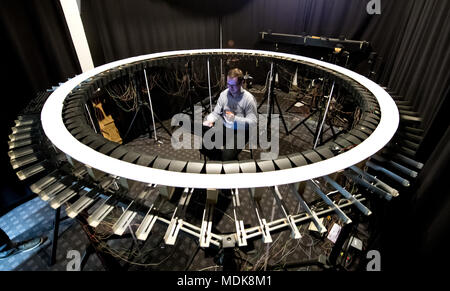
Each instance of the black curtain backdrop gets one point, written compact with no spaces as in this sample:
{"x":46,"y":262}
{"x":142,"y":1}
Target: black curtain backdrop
{"x":429,"y":215}
{"x":37,"y":34}
{"x":37,"y":53}
{"x":411,"y":37}
{"x":118,"y":29}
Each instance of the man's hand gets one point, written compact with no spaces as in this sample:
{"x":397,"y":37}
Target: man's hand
{"x":208,"y":123}
{"x":229,"y":116}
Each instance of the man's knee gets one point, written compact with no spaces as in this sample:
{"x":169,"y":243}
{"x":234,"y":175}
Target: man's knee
{"x":230,"y":154}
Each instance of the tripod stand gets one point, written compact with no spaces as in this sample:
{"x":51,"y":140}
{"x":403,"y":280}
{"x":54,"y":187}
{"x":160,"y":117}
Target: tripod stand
{"x":143,"y":104}
{"x":301,"y":91}
{"x":336,"y":54}
{"x":324,"y":115}
{"x":272,"y":99}
{"x":190,"y":91}
{"x":322,"y":112}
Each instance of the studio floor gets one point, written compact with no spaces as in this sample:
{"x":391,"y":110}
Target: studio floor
{"x":35,"y":218}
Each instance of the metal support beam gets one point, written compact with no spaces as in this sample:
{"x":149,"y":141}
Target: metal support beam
{"x":241,"y":235}
{"x":324,"y":116}
{"x":294,"y":230}
{"x":82,"y":203}
{"x":320,"y":227}
{"x":124,"y":220}
{"x":101,"y":212}
{"x":265,"y":231}
{"x":394,"y":176}
{"x":328,"y":201}
{"x":178,"y":217}
{"x":150,"y":217}
{"x":208,"y":212}
{"x":75,"y":25}
{"x":348,"y":196}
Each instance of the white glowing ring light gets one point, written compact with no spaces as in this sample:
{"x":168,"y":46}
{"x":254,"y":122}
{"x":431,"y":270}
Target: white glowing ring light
{"x":56,"y":131}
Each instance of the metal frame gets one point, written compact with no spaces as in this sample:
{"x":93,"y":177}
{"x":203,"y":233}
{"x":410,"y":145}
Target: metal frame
{"x":56,"y":131}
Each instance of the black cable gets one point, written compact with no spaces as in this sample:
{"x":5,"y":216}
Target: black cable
{"x":188,"y":265}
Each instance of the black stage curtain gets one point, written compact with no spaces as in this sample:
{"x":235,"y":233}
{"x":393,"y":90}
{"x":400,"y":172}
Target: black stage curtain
{"x":37,"y":53}
{"x":37,"y":34}
{"x":118,"y":29}
{"x":430,"y":206}
{"x":420,"y":68}
{"x":409,"y":36}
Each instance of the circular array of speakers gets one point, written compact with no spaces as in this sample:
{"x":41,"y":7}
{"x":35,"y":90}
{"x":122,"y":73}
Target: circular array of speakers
{"x":66,"y":124}
{"x":50,"y":144}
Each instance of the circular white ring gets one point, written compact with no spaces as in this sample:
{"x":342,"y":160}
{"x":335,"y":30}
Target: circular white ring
{"x":56,"y":131}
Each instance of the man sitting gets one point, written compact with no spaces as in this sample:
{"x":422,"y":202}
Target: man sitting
{"x":236,"y":107}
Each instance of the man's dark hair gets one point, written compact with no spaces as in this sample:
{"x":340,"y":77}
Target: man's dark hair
{"x":236,"y":73}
